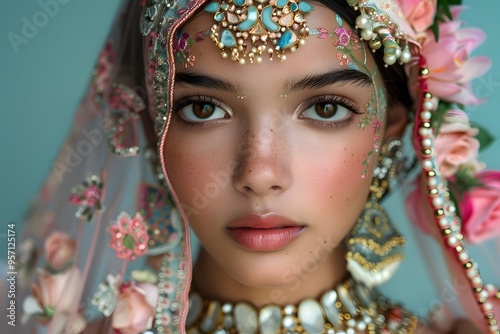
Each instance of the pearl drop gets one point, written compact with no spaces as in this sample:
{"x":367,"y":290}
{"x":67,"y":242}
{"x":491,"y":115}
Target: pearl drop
{"x":221,"y":45}
{"x":428,"y":105}
{"x":398,"y":52}
{"x":405,"y":57}
{"x":259,"y":59}
{"x":390,"y":60}
{"x":489,"y":287}
{"x":366,"y":34}
{"x":432,"y":182}
{"x":362,"y":21}
{"x":483,"y":294}
{"x":242,"y":61}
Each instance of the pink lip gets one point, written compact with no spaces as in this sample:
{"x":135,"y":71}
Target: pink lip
{"x":264,"y":233}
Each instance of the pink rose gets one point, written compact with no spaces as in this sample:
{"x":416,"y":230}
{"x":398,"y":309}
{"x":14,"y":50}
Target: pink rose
{"x":59,"y":250}
{"x":451,"y":68}
{"x":58,"y":291}
{"x":135,"y":308}
{"x":480,"y":209}
{"x":419,"y":13}
{"x":455,"y":145}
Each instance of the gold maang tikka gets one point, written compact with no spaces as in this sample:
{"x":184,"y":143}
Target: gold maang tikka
{"x":249,"y":28}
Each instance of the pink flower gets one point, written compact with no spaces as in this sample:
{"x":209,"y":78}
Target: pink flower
{"x":59,"y":250}
{"x":135,"y":308}
{"x":451,"y":69}
{"x":419,"y":13}
{"x":129,"y":237}
{"x":480,"y":209}
{"x":57,"y":291}
{"x":455,"y":145}
{"x":343,"y":35}
{"x":88,"y":195}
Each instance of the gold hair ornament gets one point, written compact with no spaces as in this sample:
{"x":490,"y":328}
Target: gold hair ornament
{"x":380,"y":30}
{"x":248,"y":28}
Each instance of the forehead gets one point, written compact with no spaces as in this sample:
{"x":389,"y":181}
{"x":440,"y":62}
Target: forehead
{"x":332,"y":44}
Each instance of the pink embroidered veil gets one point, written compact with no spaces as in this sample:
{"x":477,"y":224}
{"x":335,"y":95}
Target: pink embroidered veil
{"x":116,"y":123}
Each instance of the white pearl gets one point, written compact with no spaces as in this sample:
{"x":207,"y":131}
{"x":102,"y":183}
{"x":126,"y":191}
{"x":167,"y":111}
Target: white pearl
{"x":398,"y":52}
{"x":427,"y":143}
{"x":477,"y":281}
{"x":427,"y":164}
{"x":437,"y":201}
{"x":443,"y":222}
{"x":424,"y":132}
{"x":464,"y":256}
{"x":366,"y":34}
{"x":483,"y":294}
{"x":432,"y":182}
{"x":428,"y":105}
{"x":425,"y":115}
{"x":452,"y":241}
{"x":390,"y":60}
{"x":489,"y":287}
{"x":487,"y":306}
{"x":362,"y":21}
{"x":405,"y":57}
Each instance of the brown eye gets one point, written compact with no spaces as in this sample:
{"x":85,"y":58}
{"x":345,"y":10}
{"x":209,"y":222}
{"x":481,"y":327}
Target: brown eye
{"x":325,"y":109}
{"x":203,"y":110}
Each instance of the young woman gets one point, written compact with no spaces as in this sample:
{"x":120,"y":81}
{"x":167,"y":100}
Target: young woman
{"x":277,"y":126}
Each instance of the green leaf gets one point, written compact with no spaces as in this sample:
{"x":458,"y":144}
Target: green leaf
{"x":437,"y":117}
{"x":129,"y":241}
{"x":484,"y":136}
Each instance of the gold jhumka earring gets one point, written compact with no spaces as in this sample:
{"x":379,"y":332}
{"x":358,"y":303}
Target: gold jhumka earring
{"x":374,"y":245}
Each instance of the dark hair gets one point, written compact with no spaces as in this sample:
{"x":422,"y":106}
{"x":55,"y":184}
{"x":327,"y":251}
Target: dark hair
{"x":394,"y":76}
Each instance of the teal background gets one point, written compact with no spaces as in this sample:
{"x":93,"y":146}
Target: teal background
{"x":41,"y":84}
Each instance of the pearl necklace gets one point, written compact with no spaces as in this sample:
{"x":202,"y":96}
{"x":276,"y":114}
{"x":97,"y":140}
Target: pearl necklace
{"x":349,"y":308}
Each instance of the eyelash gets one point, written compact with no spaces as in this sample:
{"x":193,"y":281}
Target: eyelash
{"x":339,"y":100}
{"x":187,"y":100}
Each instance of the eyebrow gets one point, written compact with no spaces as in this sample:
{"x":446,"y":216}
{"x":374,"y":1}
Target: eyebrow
{"x":206,"y":81}
{"x":337,"y":76}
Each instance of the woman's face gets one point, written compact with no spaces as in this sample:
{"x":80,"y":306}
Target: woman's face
{"x":268,"y":159}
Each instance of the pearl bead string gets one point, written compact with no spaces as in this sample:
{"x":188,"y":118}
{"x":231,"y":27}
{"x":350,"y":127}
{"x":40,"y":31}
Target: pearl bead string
{"x":444,"y":210}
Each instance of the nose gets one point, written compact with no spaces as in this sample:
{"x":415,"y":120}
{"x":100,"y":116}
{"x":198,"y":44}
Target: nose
{"x":262,"y":164}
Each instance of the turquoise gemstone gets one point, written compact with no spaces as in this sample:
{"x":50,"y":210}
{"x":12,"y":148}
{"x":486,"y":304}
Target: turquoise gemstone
{"x":239,"y":2}
{"x":224,"y":6}
{"x":252,"y":16}
{"x":281,"y":3}
{"x":305,"y":7}
{"x":227,"y":38}
{"x":219,"y":17}
{"x":286,"y":40}
{"x":212,"y":7}
{"x":294,"y":6}
{"x":266,"y":15}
